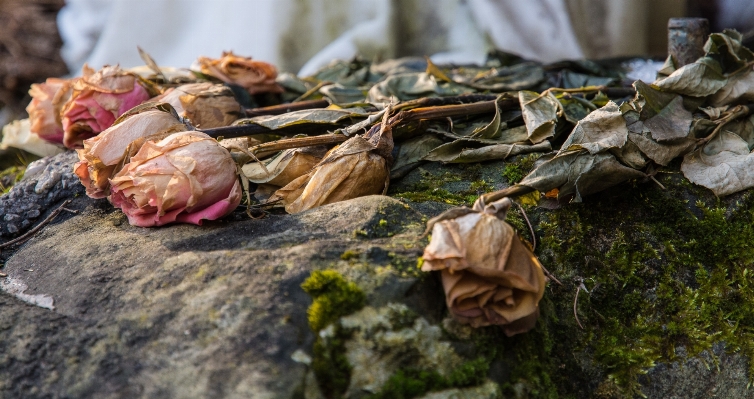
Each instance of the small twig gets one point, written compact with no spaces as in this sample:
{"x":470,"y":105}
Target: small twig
{"x":528,"y":223}
{"x":512,"y":191}
{"x":373,"y":118}
{"x":312,"y":90}
{"x":31,"y":232}
{"x":285,"y":108}
{"x":657,"y":181}
{"x":738,"y":111}
{"x":580,"y":287}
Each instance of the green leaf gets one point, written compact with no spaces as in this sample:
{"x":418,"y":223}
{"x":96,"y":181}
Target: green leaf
{"x":540,"y":112}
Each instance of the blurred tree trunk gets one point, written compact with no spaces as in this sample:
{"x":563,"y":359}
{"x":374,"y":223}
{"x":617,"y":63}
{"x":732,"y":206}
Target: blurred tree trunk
{"x":29,"y":47}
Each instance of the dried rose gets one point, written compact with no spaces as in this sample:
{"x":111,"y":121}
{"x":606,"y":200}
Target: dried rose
{"x":186,"y":177}
{"x":206,"y":105}
{"x":103,"y":153}
{"x":255,"y":76}
{"x":489,"y":276}
{"x":286,"y":167}
{"x":47,"y":100}
{"x":356,"y":168}
{"x":98,"y":99}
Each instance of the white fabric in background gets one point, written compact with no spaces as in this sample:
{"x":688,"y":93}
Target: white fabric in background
{"x":310,"y":33}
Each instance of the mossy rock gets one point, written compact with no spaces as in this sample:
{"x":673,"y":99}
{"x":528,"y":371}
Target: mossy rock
{"x":666,"y":311}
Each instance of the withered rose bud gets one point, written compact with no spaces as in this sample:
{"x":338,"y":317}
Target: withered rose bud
{"x":186,"y":177}
{"x":286,"y":167}
{"x":103,"y":153}
{"x":206,"y":105}
{"x":47,"y":100}
{"x":98,"y":99}
{"x":490,"y":277}
{"x":358,"y":167}
{"x":255,"y":76}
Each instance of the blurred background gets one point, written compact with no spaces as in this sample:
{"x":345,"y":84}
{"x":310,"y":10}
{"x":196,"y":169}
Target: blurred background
{"x":44,"y":38}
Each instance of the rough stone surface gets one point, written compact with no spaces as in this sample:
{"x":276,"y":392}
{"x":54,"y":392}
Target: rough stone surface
{"x":95,"y":308}
{"x":47,"y":182}
{"x":184,"y":311}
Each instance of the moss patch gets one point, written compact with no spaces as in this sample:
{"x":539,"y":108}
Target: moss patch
{"x":410,"y":383}
{"x":661,"y":272}
{"x":515,"y":171}
{"x":334,"y":297}
{"x":435,"y":187}
{"x":9,"y":177}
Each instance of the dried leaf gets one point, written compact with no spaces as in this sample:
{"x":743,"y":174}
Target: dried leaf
{"x":699,"y":79}
{"x":575,"y":80}
{"x":599,"y":131}
{"x":409,"y":86}
{"x":285,"y":167}
{"x":540,"y":112}
{"x":724,"y":165}
{"x":466,"y":150}
{"x":661,"y":153}
{"x":578,"y":174}
{"x":672,"y":122}
{"x":307,"y":116}
{"x":411,"y":153}
{"x":522,"y":76}
{"x":740,"y":87}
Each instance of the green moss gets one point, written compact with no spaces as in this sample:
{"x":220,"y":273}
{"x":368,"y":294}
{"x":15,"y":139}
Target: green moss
{"x":409,"y":383}
{"x":432,"y":187}
{"x":9,"y":177}
{"x":334,"y":297}
{"x":661,"y":273}
{"x":515,"y":171}
{"x":349,"y":255}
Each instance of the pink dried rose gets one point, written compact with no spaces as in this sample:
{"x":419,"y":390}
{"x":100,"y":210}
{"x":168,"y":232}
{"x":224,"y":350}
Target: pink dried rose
{"x":490,"y":277}
{"x":103,"y":153}
{"x":98,"y":99}
{"x":47,"y":100}
{"x":255,"y":76}
{"x":206,"y":105}
{"x":186,"y":177}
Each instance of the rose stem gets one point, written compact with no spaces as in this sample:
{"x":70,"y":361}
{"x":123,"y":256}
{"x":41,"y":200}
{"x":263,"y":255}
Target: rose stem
{"x":435,"y":101}
{"x":251,"y":129}
{"x":285,"y":108}
{"x":272,"y":147}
